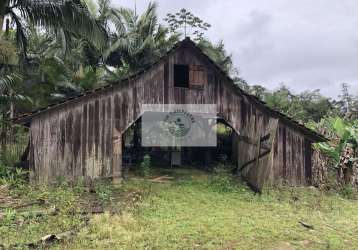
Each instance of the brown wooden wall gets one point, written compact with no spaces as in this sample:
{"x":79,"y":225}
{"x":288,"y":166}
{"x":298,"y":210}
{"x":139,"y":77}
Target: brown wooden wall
{"x":291,"y":157}
{"x":80,"y":138}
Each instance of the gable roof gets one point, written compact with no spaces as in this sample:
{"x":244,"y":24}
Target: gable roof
{"x":313,"y":135}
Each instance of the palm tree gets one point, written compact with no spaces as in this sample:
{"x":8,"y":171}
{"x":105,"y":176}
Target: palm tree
{"x":55,"y":74}
{"x":8,"y":54}
{"x":62,"y":17}
{"x":8,"y":92}
{"x":218,"y":54}
{"x":8,"y":96}
{"x":138,"y":40}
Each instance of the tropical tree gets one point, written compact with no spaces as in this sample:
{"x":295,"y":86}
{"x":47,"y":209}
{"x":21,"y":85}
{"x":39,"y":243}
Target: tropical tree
{"x":280,"y":99}
{"x":314,"y":106}
{"x":138,"y":40}
{"x":8,"y":54}
{"x":55,"y":73}
{"x":342,"y":147}
{"x":185,"y":21}
{"x":241,"y":83}
{"x":218,"y":54}
{"x":8,"y":92}
{"x":304,"y":107}
{"x":63,"y":18}
{"x":8,"y":97}
{"x":354,"y":110}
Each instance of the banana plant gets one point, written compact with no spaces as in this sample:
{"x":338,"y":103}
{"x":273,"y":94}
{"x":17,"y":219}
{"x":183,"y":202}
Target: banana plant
{"x":342,"y":135}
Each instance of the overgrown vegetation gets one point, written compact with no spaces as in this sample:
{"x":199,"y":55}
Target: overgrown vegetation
{"x":50,"y":51}
{"x":190,"y":214}
{"x":28,"y":213}
{"x":341,"y":149}
{"x":144,"y":166}
{"x":193,"y":210}
{"x":222,"y":180}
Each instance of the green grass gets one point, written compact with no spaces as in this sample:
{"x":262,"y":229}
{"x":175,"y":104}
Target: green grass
{"x":22,"y":225}
{"x":196,"y":210}
{"x":189,"y":214}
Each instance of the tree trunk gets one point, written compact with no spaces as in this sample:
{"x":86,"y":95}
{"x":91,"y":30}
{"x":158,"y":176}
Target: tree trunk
{"x":3,"y":5}
{"x":1,"y":23}
{"x":319,"y":168}
{"x":3,"y":136}
{"x":12,"y":106}
{"x":346,"y":166}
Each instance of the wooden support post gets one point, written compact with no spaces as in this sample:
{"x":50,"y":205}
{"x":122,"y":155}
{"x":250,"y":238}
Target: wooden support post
{"x":234,"y":147}
{"x":117,"y":156}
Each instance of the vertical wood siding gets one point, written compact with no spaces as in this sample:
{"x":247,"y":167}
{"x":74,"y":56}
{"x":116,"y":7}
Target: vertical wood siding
{"x":76,"y":140}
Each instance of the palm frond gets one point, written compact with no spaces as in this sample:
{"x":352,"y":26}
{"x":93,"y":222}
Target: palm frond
{"x":71,"y":16}
{"x":21,"y":35}
{"x":7,"y":53}
{"x":7,"y":82}
{"x":7,"y":89}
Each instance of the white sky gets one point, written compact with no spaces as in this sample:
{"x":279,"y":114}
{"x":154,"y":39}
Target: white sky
{"x":306,"y":44}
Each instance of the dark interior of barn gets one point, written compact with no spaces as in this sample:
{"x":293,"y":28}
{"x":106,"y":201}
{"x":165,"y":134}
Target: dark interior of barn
{"x":204,"y":158}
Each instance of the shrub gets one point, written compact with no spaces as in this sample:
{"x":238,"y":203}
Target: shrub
{"x":348,"y":191}
{"x":221,"y":180}
{"x":341,"y":134}
{"x":103,"y":191}
{"x":144,"y":166}
{"x":4,"y":170}
{"x":12,"y":176}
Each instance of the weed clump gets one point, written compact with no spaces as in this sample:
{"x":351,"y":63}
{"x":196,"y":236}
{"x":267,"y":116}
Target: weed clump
{"x":104,"y":192}
{"x":348,"y":192}
{"x":12,"y":176}
{"x":145,"y":165}
{"x":221,"y":179}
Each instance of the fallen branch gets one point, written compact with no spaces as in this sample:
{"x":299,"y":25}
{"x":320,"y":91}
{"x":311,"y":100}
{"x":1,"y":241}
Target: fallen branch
{"x":306,"y":225}
{"x":37,"y":202}
{"x":159,"y":181}
{"x":165,"y":177}
{"x":153,"y":180}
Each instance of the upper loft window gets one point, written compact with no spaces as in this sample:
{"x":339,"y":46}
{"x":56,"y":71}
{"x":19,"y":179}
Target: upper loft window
{"x":197,"y":76}
{"x":181,"y":76}
{"x":189,"y":76}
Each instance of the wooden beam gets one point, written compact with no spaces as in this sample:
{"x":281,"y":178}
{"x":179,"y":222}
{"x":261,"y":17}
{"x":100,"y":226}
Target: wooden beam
{"x":267,"y":151}
{"x":117,"y":156}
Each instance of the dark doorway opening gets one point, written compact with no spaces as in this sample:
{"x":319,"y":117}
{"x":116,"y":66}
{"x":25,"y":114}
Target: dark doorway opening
{"x":205,"y":158}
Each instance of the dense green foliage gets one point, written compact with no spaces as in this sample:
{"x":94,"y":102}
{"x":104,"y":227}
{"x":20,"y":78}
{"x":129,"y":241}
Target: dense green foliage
{"x":307,"y":105}
{"x":342,"y":134}
{"x":63,"y":19}
{"x":137,"y":40}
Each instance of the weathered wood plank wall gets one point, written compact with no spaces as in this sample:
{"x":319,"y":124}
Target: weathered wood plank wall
{"x":291,"y":157}
{"x":80,"y":139}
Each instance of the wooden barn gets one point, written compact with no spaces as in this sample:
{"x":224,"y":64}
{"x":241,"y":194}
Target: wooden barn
{"x":81,"y":136}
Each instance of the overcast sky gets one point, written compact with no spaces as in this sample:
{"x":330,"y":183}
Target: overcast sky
{"x":306,"y":44}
